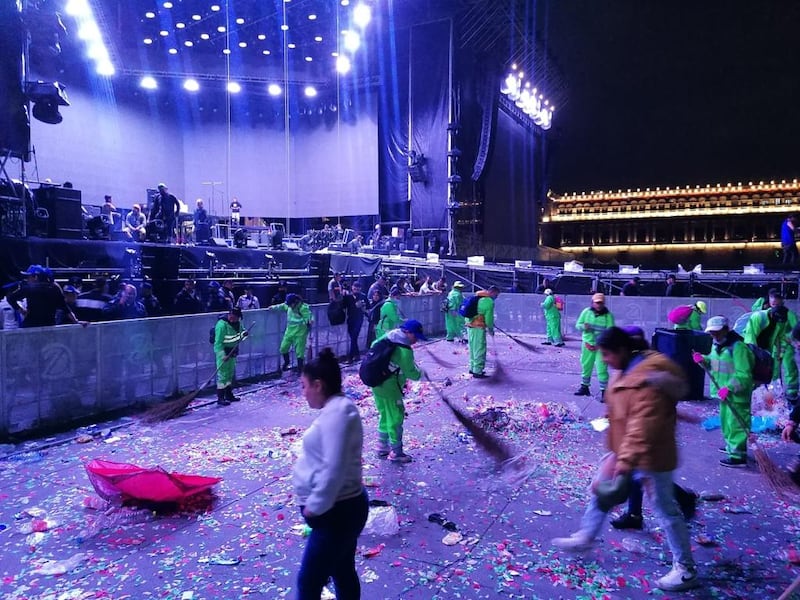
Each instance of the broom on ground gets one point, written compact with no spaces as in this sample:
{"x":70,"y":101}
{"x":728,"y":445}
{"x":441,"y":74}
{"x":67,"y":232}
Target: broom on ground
{"x":174,"y":408}
{"x":499,"y":374}
{"x":497,"y":449}
{"x":439,"y":361}
{"x":779,"y":480}
{"x":528,"y":346}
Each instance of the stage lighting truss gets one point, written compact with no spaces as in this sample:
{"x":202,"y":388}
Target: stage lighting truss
{"x":89,"y":32}
{"x":526,"y":97}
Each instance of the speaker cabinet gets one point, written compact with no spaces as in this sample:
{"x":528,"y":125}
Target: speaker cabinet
{"x":64,"y":208}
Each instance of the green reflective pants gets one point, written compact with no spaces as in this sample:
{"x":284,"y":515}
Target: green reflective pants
{"x":454,"y":323}
{"x":588,"y":360}
{"x":391,"y":414}
{"x":295,"y":337}
{"x":554,"y":328}
{"x":733,"y":432}
{"x":477,"y":349}
{"x":227,"y":370}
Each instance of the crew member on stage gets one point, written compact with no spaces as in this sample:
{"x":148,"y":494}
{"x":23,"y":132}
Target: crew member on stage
{"x":135,"y":224}
{"x":165,"y":208}
{"x":202,"y":227}
{"x":236,"y":208}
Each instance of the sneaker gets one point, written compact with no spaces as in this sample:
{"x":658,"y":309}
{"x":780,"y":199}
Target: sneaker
{"x":735,"y":463}
{"x":577,"y":542}
{"x":583,"y":391}
{"x":628,"y":521}
{"x":399,"y":457}
{"x":722,"y":449}
{"x":678,"y":579}
{"x":479,"y":375}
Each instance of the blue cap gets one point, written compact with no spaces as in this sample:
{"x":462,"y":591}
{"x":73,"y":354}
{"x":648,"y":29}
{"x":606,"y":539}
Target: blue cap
{"x":415,"y":327}
{"x":292,"y":298}
{"x":214,"y":284}
{"x":33,"y":270}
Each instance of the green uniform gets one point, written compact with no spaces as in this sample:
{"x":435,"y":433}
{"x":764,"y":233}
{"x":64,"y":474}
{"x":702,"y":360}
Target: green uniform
{"x":731,"y":366}
{"x":390,"y":318}
{"x":552,"y":317}
{"x":476,"y":331}
{"x":760,"y":304}
{"x":453,"y":321}
{"x":389,"y":395}
{"x":777,"y":340}
{"x":591,"y":324}
{"x":226,"y":339}
{"x":298,"y":321}
{"x":693,"y":322}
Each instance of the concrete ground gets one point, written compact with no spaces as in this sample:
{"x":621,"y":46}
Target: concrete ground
{"x":248,"y":539}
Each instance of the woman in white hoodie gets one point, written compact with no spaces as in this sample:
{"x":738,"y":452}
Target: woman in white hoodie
{"x":328,"y":482}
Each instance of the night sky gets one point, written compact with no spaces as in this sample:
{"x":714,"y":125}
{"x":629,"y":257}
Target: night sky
{"x":675,"y":93}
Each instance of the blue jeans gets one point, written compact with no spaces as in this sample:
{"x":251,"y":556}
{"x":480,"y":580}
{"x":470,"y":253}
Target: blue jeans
{"x":659,"y":489}
{"x":331,"y":550}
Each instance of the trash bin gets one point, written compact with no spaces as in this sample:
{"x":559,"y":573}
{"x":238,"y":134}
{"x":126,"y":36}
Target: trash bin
{"x":679,"y":344}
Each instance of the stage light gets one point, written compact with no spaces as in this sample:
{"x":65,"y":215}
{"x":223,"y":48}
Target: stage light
{"x":221,"y":28}
{"x":89,"y":31}
{"x":226,"y":51}
{"x":292,"y":46}
{"x":308,"y":59}
{"x":163,"y":33}
{"x":318,"y":38}
{"x":150,"y":15}
{"x":312,"y":17}
{"x":105,"y":68}
{"x":173,"y":50}
{"x":343,"y":65}
{"x":240,"y":21}
{"x":46,"y":98}
{"x":266,"y":52}
{"x":274,"y":89}
{"x":167,"y":5}
{"x":362,"y":15}
{"x":204,"y":36}
{"x":310,"y":91}
{"x":242,"y":44}
{"x":284,"y":28}
{"x":148,"y":41}
{"x":180,"y":25}
{"x":149,"y":83}
{"x":77,"y":8}
{"x":196,"y":18}
{"x":334,"y":54}
{"x":191,"y":85}
{"x":262,"y":37}
{"x":215,"y":7}
{"x":345,"y":2}
{"x":352,"y":41}
{"x":188,"y":43}
{"x":234,"y":87}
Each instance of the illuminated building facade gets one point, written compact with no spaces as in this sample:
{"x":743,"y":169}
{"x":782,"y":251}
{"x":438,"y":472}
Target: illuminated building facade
{"x":722,"y":226}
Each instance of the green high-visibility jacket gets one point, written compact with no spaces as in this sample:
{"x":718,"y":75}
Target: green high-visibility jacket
{"x":597,"y":324}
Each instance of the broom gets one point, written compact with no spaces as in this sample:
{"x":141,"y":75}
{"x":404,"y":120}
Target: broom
{"x":175,"y":408}
{"x":526,"y":345}
{"x":499,"y":374}
{"x":439,"y":361}
{"x":779,"y":481}
{"x":497,"y":449}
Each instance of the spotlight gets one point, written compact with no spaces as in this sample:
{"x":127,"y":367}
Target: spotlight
{"x":150,"y":14}
{"x":148,"y":83}
{"x":215,"y":7}
{"x":240,"y":21}
{"x":310,"y":91}
{"x":46,"y":98}
{"x":148,"y":41}
{"x":362,"y":15}
{"x":234,"y":87}
{"x":196,"y":18}
{"x":191,"y":85}
{"x":312,"y":17}
{"x":343,"y":65}
{"x":309,"y":59}
{"x":167,"y":5}
{"x":180,"y":25}
{"x":352,"y":41}
{"x":318,"y":38}
{"x":274,"y":89}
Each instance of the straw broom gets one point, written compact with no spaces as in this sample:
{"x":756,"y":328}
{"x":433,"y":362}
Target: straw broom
{"x":779,"y":481}
{"x":175,"y":408}
{"x":497,"y":449}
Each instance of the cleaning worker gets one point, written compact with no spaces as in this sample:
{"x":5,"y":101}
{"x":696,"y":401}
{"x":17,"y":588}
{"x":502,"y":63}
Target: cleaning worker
{"x":390,"y":313}
{"x":227,"y":335}
{"x":477,"y":328}
{"x":688,"y":317}
{"x":298,"y":324}
{"x":552,"y":316}
{"x":454,"y":323}
{"x":592,"y":321}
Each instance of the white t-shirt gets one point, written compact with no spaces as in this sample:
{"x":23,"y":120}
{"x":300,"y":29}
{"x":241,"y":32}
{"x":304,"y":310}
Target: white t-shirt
{"x":9,"y":315}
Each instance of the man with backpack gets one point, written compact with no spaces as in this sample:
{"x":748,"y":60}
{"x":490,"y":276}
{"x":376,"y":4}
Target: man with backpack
{"x":479,"y":314}
{"x":552,"y":316}
{"x":386,"y":368}
{"x":730,"y":368}
{"x":771,"y":329}
{"x":453,"y":322}
{"x":298,"y":324}
{"x":227,"y":336}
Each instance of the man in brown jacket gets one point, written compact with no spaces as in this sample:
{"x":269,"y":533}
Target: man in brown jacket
{"x":641,"y":400}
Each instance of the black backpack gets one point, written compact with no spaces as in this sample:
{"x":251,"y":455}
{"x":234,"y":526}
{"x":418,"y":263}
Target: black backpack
{"x":374,"y":369}
{"x":336,"y":312}
{"x":469,"y":307}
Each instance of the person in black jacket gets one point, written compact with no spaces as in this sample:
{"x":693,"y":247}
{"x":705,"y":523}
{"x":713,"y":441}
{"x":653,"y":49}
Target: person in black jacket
{"x":90,"y":304}
{"x":355,"y":305}
{"x":150,"y":302}
{"x":43,"y":299}
{"x":376,"y":300}
{"x":165,"y":208}
{"x":187,"y":302}
{"x":125,"y":305}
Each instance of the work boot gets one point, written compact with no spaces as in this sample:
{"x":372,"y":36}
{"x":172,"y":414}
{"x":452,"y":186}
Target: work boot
{"x":583,"y":391}
{"x":628,"y":521}
{"x":221,"y":399}
{"x":229,"y":394}
{"x":300,"y":364}
{"x":285,"y":366}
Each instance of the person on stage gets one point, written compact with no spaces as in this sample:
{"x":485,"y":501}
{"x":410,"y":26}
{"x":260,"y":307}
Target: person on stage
{"x":202,"y":226}
{"x":135,"y":224}
{"x":165,"y":208}
{"x":236,"y":208}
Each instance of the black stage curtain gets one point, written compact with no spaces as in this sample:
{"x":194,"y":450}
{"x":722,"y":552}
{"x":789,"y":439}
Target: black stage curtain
{"x":355,"y":265}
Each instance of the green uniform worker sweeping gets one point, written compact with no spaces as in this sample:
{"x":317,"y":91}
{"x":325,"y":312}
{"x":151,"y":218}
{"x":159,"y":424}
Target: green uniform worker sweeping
{"x":298,"y":324}
{"x":591,"y":322}
{"x":454,"y":322}
{"x":227,"y":335}
{"x":477,"y":327}
{"x":552,"y":317}
{"x":771,"y":330}
{"x":389,"y":395}
{"x":390,"y":314}
{"x":730,"y":366}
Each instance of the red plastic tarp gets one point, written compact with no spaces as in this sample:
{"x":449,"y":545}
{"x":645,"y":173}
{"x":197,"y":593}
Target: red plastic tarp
{"x":115,"y":481}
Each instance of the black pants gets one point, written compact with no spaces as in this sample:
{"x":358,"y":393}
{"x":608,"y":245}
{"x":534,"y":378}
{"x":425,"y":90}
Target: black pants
{"x":790,"y":254}
{"x":331,"y":550}
{"x":683,"y":497}
{"x":354,"y":330}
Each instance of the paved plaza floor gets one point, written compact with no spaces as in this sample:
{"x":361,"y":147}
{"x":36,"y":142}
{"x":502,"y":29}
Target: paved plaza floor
{"x":247,"y":539}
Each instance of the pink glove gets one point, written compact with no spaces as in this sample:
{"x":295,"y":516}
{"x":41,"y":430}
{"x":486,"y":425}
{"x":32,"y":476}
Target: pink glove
{"x":698,"y":358}
{"x":723,"y":393}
